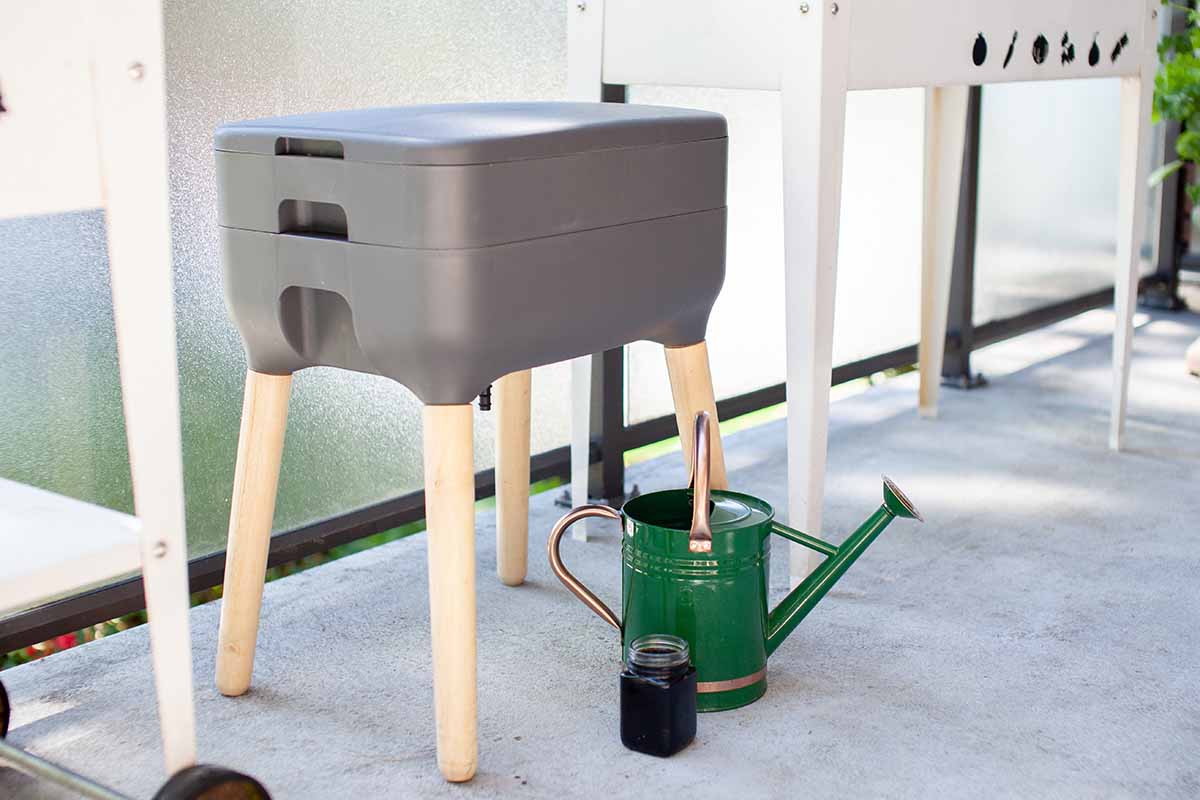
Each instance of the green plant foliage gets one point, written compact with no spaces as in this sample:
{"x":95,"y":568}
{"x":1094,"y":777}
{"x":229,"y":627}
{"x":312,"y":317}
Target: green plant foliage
{"x":1177,"y":94}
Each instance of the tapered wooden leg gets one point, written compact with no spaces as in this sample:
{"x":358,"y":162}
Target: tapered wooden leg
{"x":512,"y":397}
{"x":450,"y":520}
{"x":260,"y":448}
{"x":692,"y":391}
{"x":945,"y":136}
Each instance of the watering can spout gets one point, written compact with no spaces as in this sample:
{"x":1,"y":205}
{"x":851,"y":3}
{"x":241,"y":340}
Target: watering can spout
{"x":896,"y":503}
{"x":795,"y":607}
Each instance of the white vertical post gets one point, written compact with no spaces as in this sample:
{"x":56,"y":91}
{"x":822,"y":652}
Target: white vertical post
{"x":1136,"y":93}
{"x":585,"y":52}
{"x":945,"y":137}
{"x":813,"y":83}
{"x":581,"y":442}
{"x":127,"y":72}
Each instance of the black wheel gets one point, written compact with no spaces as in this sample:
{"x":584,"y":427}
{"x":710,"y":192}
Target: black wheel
{"x":207,"y":782}
{"x":5,"y":710}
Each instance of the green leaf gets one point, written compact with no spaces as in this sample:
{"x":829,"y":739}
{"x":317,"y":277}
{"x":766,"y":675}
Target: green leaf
{"x":1188,"y":146}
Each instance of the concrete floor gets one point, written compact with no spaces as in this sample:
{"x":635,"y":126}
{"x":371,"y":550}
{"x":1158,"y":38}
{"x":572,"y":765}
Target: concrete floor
{"x":1036,"y":638}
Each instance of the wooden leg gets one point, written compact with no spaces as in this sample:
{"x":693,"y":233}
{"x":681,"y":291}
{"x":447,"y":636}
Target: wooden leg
{"x":260,"y":448}
{"x":945,"y":136}
{"x":813,"y":100}
{"x":450,"y":520}
{"x":512,"y":397}
{"x":581,"y":434}
{"x":692,"y":391}
{"x":1131,"y":211}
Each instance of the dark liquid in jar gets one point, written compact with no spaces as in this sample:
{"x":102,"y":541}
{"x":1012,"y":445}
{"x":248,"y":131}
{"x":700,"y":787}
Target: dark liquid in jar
{"x":658,"y":703}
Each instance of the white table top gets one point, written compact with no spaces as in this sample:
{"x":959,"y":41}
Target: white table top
{"x":51,"y":545}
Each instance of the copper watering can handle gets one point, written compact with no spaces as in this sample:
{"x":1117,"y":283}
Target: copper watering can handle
{"x":700,"y":535}
{"x":560,"y":569}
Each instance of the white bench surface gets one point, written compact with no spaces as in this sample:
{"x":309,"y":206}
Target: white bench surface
{"x":51,"y":545}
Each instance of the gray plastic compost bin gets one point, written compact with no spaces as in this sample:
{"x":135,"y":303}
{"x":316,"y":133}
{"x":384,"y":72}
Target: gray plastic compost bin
{"x":447,"y":245}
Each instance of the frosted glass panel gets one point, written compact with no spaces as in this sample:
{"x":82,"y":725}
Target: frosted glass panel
{"x":1047,"y":194}
{"x":877,"y":307}
{"x":351,"y":439}
{"x":61,"y":426}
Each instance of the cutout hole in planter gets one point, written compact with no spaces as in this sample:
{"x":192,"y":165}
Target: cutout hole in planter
{"x":979,"y":51}
{"x":1040,"y":49}
{"x":1012,"y":46}
{"x":1122,"y":43}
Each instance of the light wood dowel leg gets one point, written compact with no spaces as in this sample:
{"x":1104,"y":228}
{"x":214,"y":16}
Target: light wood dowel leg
{"x":512,"y":397}
{"x":260,"y":448}
{"x":945,"y":136}
{"x":692,"y":390}
{"x":450,"y":520}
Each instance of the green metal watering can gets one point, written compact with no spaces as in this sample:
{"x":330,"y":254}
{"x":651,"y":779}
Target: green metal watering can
{"x":700,"y":571}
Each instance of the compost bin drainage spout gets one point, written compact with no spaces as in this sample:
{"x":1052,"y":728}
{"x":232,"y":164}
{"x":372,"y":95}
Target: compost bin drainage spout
{"x":795,"y":607}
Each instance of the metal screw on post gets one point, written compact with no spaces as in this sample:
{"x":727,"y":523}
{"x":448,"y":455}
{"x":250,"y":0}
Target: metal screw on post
{"x":804,"y":8}
{"x":581,"y":6}
{"x":834,"y":8}
{"x":136,"y":71}
{"x":160,"y":549}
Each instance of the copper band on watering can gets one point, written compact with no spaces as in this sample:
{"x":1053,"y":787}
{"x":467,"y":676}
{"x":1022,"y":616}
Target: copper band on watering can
{"x":707,"y":687}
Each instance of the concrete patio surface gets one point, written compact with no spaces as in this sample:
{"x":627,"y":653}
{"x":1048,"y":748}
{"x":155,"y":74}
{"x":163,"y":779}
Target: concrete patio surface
{"x":1039,"y":636}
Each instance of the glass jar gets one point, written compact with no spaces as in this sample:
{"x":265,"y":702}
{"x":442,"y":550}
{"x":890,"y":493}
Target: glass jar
{"x":658,"y":696}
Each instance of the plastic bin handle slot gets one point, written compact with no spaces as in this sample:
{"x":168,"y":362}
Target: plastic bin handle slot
{"x":311,"y":218}
{"x":314,"y":148}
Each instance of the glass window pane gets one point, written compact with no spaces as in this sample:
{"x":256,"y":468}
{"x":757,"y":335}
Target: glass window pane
{"x":351,"y":439}
{"x":1047,"y":213}
{"x":877,"y":307}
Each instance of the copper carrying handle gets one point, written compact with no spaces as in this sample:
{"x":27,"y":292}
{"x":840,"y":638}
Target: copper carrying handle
{"x":560,"y":569}
{"x":700,"y":535}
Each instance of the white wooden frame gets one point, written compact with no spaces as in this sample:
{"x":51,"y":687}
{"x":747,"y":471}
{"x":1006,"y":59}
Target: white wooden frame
{"x":94,"y":72}
{"x":814,"y":52}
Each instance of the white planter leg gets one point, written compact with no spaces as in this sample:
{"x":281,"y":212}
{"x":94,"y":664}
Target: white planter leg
{"x":581,"y":436}
{"x":128,"y":86}
{"x":945,"y":137}
{"x":1136,"y":94}
{"x":814,"y":118}
{"x":585,"y":40}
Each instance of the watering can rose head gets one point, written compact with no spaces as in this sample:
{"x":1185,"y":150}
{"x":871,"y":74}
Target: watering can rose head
{"x":696,"y":564}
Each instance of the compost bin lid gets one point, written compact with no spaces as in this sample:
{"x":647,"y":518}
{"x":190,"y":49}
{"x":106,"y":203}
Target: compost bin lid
{"x":469,"y":133}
